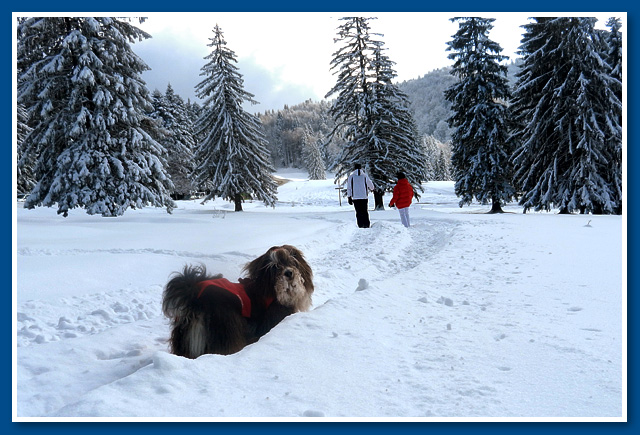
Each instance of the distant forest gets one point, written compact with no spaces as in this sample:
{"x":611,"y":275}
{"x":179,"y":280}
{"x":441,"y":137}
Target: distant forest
{"x":292,"y":129}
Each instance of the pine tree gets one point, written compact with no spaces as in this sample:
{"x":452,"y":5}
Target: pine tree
{"x":394,"y":138}
{"x":371,"y":114}
{"x":313,"y":158}
{"x":81,"y":85}
{"x":613,"y":54}
{"x":279,"y":144}
{"x":24,"y":171}
{"x":567,"y":127}
{"x":25,"y":181}
{"x":232,"y":158}
{"x":171,"y":110}
{"x":437,"y":158}
{"x":481,"y":150}
{"x":193,"y":111}
{"x":443,"y":171}
{"x":614,"y":60}
{"x":431,"y":151}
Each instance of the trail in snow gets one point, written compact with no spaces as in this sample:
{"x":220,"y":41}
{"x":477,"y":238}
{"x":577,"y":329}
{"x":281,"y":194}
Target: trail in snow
{"x":382,"y":251}
{"x":385,"y":250}
{"x":367,"y":254}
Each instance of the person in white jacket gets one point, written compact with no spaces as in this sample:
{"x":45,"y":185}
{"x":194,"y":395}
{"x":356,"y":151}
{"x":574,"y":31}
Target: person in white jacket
{"x":358,"y":186}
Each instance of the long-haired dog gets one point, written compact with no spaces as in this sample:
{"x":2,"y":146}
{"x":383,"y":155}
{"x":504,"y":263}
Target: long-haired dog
{"x":209,"y":314}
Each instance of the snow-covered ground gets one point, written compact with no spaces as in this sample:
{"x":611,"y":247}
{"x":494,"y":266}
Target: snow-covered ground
{"x":463,"y":315}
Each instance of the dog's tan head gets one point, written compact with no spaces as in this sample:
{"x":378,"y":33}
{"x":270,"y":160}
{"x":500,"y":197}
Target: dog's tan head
{"x":283,"y":270}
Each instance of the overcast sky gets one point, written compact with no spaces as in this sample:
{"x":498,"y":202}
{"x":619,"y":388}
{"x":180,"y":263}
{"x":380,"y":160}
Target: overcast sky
{"x":284,"y":57}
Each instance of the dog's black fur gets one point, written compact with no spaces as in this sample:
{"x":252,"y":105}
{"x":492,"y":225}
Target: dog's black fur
{"x":213,"y":323}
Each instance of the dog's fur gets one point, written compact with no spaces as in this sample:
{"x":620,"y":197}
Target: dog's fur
{"x":212,"y":322}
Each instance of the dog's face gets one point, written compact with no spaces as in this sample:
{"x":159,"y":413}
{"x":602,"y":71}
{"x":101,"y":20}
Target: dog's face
{"x":287,"y":272}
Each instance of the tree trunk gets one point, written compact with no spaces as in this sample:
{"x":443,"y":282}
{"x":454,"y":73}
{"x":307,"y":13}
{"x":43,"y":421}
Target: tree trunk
{"x":237,"y":199}
{"x":496,"y":207}
{"x":378,"y":199}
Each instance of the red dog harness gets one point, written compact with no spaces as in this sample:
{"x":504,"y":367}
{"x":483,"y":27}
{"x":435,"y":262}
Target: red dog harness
{"x":235,"y":288}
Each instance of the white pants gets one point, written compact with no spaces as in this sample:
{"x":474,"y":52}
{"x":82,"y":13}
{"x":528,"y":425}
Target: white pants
{"x":404,"y":216}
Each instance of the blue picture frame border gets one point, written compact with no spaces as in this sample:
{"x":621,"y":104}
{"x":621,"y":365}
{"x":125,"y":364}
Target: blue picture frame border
{"x":372,"y":428}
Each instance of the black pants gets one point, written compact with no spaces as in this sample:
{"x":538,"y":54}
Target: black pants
{"x":362,"y":212}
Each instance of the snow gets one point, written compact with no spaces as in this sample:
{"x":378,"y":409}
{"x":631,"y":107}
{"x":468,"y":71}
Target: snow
{"x":463,"y":316}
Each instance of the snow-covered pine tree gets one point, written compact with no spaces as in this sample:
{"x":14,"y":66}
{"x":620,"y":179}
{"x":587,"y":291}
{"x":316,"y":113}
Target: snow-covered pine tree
{"x":437,"y":160}
{"x":25,"y":181}
{"x":443,"y":167}
{"x":614,"y":53}
{"x":81,"y":85}
{"x":279,"y":140}
{"x":394,"y":143}
{"x":232,"y":158}
{"x":431,"y":152}
{"x":481,"y":150}
{"x":24,"y":171}
{"x":171,"y":110}
{"x":312,"y":154}
{"x":566,"y":114}
{"x":351,"y":109}
{"x":193,"y":111}
{"x":371,"y":114}
{"x":614,"y":59}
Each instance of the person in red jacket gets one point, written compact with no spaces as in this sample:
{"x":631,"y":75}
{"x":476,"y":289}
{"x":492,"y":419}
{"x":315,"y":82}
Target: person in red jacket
{"x":402,"y":196}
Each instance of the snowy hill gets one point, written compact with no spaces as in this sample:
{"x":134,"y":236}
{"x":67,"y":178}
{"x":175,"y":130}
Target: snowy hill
{"x":463,"y":315}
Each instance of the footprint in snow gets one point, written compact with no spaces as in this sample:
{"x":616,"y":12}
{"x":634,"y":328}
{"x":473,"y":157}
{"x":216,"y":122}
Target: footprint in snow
{"x":362,"y":285}
{"x":445,"y":301}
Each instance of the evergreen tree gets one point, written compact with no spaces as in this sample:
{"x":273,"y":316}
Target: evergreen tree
{"x":171,"y":110}
{"x":25,"y":181}
{"x":313,"y":158}
{"x":279,"y":136}
{"x":394,"y":143}
{"x":81,"y":85}
{"x":371,"y":113}
{"x":351,"y":110}
{"x":431,"y":151}
{"x":614,"y":59}
{"x":193,"y":112}
{"x":443,"y":171}
{"x":481,"y":150}
{"x":232,"y":158}
{"x":437,"y":155}
{"x":566,"y":114}
{"x":614,"y":54}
